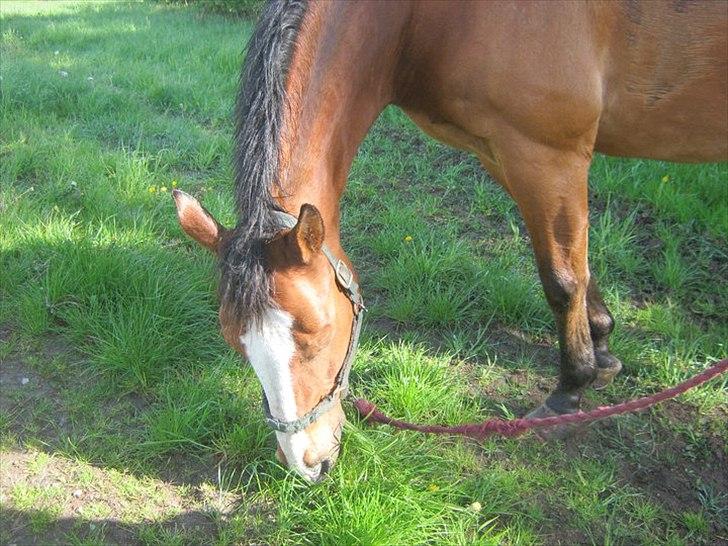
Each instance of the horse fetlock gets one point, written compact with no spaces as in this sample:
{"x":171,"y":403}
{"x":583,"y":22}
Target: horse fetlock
{"x":577,"y":373}
{"x":562,"y":401}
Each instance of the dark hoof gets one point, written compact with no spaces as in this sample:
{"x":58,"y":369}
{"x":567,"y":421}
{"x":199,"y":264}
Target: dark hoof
{"x":607,"y":369}
{"x":556,"y":432}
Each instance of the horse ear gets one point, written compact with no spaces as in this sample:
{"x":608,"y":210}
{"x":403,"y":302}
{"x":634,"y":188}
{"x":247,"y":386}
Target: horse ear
{"x":197,"y":222}
{"x":308,"y":234}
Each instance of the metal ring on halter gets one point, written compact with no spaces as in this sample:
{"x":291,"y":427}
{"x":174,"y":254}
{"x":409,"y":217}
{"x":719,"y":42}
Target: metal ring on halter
{"x":345,"y":279}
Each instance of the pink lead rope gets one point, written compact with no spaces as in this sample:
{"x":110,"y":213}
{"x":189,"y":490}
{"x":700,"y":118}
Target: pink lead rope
{"x":515,"y":427}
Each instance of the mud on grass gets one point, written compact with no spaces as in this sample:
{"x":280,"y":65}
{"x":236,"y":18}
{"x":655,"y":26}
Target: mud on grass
{"x":137,"y":425}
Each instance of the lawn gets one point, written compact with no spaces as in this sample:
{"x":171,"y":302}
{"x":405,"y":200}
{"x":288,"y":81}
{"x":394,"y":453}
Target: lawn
{"x":126,"y":419}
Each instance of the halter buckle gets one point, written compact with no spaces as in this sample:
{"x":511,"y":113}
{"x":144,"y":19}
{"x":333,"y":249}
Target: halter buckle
{"x":341,"y":274}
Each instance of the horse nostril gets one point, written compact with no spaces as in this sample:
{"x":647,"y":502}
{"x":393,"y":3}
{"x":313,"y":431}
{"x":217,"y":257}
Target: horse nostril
{"x":325,"y":466}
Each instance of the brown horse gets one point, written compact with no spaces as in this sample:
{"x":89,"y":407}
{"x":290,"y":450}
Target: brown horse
{"x":531,"y":88}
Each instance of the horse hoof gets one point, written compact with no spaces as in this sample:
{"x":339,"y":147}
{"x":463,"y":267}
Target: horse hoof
{"x":555,"y":432}
{"x":607,"y":369}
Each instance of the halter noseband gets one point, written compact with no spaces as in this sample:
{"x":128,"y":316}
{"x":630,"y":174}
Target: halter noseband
{"x":345,"y":280}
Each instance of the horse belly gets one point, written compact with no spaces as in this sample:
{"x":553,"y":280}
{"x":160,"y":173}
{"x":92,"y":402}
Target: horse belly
{"x":665,"y":83}
{"x":690,"y":126}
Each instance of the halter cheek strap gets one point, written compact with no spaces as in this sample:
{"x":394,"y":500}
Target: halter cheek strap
{"x":345,"y":280}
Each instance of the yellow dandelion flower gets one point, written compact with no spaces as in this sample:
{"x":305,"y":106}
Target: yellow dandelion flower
{"x":666,"y":178}
{"x":163,"y":188}
{"x":152,"y":189}
{"x":174,"y":183}
{"x":408,"y":238}
{"x":432,"y":488}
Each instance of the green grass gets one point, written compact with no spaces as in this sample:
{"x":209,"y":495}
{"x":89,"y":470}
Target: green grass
{"x":110,"y":312}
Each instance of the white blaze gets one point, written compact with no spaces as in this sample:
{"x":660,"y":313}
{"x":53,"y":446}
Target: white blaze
{"x":270,"y":347}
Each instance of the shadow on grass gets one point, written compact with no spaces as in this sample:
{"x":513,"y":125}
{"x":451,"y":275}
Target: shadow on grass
{"x":135,"y":376}
{"x":34,"y":527}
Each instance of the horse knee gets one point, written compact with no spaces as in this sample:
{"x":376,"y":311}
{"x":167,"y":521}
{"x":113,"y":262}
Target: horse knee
{"x":560,"y":287}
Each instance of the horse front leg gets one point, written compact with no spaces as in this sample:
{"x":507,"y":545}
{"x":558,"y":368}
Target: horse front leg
{"x":565,"y":281}
{"x":550,"y":187}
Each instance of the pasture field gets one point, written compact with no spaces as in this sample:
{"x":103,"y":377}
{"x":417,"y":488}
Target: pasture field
{"x":125,"y":419}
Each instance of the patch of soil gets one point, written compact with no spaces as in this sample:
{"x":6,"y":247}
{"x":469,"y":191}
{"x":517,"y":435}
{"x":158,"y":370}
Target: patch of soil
{"x":674,"y":473}
{"x":89,"y":502}
{"x":195,"y":514}
{"x":655,"y":461}
{"x":679,"y":475}
{"x":22,"y":390}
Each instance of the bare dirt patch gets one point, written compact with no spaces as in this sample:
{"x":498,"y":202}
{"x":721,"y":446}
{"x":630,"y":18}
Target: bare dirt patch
{"x":27,"y":398}
{"x":47,"y":497}
{"x":69,"y":497}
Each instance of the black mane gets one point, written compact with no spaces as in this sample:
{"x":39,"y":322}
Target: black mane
{"x":261,"y":101}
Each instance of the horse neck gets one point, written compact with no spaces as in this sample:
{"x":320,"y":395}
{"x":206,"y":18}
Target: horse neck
{"x":339,"y":80}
